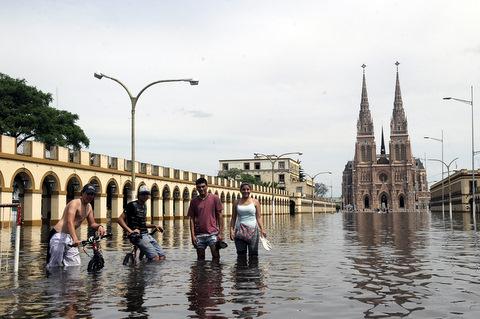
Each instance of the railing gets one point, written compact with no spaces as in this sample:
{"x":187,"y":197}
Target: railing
{"x":185,"y":176}
{"x":176,"y":173}
{"x":166,"y":172}
{"x":155,"y":170}
{"x":128,"y":165}
{"x":143,"y":168}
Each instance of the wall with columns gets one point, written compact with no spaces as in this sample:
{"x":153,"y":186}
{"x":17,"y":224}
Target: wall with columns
{"x":44,"y":179}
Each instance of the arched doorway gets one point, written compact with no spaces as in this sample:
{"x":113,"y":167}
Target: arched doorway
{"x":21,"y":186}
{"x":154,"y":203}
{"x":73,"y":188}
{"x":126,"y":191}
{"x":401,"y":201}
{"x":186,"y":201}
{"x":384,"y":202}
{"x":112,"y":199}
{"x":366,"y":202}
{"x":176,"y":201}
{"x":166,"y":201}
{"x":49,"y":187}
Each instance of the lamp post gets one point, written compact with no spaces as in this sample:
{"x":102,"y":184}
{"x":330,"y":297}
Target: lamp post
{"x":449,"y":185}
{"x":470,"y":102}
{"x":313,"y":186}
{"x":274,"y":158}
{"x":133,"y":101}
{"x":443,"y":190}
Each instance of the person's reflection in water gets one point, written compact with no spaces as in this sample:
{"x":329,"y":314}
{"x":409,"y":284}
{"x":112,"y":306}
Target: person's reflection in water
{"x":71,"y":292}
{"x":248,"y":287}
{"x":206,"y":290}
{"x":135,"y":293}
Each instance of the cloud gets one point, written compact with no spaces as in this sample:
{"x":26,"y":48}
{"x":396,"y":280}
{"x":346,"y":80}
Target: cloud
{"x":196,"y":113}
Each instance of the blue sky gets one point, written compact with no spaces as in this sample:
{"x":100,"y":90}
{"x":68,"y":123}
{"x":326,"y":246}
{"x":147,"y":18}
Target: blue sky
{"x":275,"y":76}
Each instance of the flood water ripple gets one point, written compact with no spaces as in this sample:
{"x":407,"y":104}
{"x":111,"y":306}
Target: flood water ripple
{"x":411,"y":265}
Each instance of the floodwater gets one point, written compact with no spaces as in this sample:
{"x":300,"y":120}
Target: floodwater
{"x":366,"y":265}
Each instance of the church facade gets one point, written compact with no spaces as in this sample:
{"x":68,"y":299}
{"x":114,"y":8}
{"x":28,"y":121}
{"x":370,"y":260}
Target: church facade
{"x":394,"y":181}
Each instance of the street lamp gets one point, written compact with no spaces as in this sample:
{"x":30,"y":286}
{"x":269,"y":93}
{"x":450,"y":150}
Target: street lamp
{"x":443,"y":191}
{"x":273,"y":158}
{"x":470,"y":102}
{"x":313,"y":186}
{"x":449,"y":185}
{"x":134,"y":100}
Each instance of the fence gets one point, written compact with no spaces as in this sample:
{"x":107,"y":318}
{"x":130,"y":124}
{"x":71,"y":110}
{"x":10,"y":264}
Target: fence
{"x":10,"y":218}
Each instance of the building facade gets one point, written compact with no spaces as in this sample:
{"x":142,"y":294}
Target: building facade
{"x":394,"y":181}
{"x":459,"y":187}
{"x":285,"y":171}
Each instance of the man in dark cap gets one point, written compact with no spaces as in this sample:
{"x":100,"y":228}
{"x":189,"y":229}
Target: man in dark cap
{"x":134,"y":221}
{"x":63,"y":234}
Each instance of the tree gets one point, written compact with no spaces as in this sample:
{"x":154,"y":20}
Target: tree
{"x":320,"y":189}
{"x":25,"y":114}
{"x":233,"y":173}
{"x":301,"y":174}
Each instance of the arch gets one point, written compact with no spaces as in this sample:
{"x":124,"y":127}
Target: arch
{"x":166,"y":192}
{"x":383,"y":177}
{"x":166,"y":196}
{"x":73,"y":187}
{"x":50,"y":187}
{"x":126,"y":190}
{"x":2,"y":181}
{"x":222,"y":197}
{"x":94,"y":180}
{"x":366,"y":202}
{"x":401,"y":201}
{"x":194,"y":193}
{"x":176,"y":201}
{"x":383,"y":199}
{"x":112,"y":189}
{"x":186,"y":194}
{"x":228,"y":198}
{"x":55,"y":178}
{"x":28,"y":180}
{"x":154,"y":202}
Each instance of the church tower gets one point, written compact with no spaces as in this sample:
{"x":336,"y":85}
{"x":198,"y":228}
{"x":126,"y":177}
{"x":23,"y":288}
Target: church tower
{"x":365,"y":151}
{"x":400,"y":153}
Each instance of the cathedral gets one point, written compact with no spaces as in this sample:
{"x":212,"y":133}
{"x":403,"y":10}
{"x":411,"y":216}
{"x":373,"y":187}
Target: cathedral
{"x":394,"y":181}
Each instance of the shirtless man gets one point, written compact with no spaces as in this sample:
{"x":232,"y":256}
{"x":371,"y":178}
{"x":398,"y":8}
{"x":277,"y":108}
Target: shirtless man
{"x":63,"y":233}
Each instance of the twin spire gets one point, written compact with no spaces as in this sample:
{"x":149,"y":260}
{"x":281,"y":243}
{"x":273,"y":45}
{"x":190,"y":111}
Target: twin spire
{"x":398,"y":123}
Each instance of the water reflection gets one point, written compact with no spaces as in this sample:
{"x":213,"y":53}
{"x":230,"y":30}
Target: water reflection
{"x":248,"y":288}
{"x":206,"y":291}
{"x":336,"y":266}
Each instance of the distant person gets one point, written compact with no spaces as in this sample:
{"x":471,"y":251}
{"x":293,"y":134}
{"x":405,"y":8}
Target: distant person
{"x":206,"y":221}
{"x":134,"y":221}
{"x":63,"y":235}
{"x":246,"y":223}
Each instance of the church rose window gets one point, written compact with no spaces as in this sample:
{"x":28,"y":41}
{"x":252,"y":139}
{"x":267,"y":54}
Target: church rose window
{"x":383,"y":177}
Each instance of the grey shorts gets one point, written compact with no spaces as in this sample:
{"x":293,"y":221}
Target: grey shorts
{"x":149,"y":246}
{"x":206,"y":240}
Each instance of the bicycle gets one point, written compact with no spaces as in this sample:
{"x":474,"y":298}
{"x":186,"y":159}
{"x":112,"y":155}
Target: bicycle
{"x":97,"y":262}
{"x":131,"y":257}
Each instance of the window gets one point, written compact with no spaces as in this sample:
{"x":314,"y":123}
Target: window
{"x":225,"y":166}
{"x":257,"y":177}
{"x":299,"y":189}
{"x":257,"y":165}
{"x":383,"y":177}
{"x":246,"y":166}
{"x":281,"y":165}
{"x":281,"y":178}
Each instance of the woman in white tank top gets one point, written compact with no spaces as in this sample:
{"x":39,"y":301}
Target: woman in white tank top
{"x":246,"y":223}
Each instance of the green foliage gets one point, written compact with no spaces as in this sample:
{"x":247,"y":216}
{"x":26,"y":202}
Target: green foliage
{"x":25,"y":114}
{"x":320,"y":189}
{"x":237,"y":174}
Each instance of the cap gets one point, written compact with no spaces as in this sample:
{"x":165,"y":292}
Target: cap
{"x":89,"y":188}
{"x":143,"y":190}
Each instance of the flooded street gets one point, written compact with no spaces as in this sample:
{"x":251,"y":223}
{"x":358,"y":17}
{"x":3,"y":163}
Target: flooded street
{"x":333,"y":266}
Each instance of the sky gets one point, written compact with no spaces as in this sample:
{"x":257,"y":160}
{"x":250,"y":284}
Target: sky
{"x":274,"y":76}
